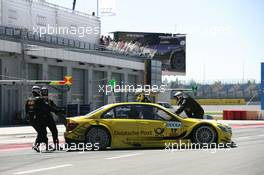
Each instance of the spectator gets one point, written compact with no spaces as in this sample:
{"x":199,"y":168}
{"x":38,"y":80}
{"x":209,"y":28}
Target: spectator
{"x":102,"y":40}
{"x":109,"y":38}
{"x":106,"y":41}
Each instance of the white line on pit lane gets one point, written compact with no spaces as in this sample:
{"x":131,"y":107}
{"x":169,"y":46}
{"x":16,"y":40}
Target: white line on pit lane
{"x":242,"y":138}
{"x":43,"y":169}
{"x":249,"y":137}
{"x":123,"y":156}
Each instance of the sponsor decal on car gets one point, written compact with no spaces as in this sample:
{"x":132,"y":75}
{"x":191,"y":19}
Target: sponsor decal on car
{"x":159,"y":131}
{"x":142,"y":132}
{"x":126,"y":133}
{"x":174,"y":125}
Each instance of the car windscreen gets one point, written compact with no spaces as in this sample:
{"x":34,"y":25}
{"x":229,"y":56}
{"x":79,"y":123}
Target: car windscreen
{"x":166,"y":105}
{"x":98,"y":109}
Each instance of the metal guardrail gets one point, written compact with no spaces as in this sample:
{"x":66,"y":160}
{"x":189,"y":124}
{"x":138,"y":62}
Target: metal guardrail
{"x":252,"y":98}
{"x":17,"y":33}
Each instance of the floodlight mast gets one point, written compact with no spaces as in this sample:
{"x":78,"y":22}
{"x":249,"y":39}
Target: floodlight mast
{"x":97,"y":6}
{"x":74,"y":4}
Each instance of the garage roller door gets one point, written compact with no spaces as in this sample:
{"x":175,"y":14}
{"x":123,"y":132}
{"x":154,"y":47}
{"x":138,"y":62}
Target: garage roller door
{"x":56,"y":73}
{"x":98,"y":97}
{"x":34,"y":73}
{"x":78,"y":86}
{"x":119,"y":81}
{"x":132,"y":80}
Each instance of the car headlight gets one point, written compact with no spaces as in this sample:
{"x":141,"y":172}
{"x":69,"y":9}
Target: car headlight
{"x":225,"y":128}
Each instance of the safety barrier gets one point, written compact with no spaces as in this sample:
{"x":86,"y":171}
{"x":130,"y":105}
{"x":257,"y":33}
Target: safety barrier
{"x":241,"y":115}
{"x":253,"y":115}
{"x":221,"y":101}
{"x":217,"y":101}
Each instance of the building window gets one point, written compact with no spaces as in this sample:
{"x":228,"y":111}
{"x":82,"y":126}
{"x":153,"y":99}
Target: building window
{"x":12,"y":14}
{"x":41,"y":20}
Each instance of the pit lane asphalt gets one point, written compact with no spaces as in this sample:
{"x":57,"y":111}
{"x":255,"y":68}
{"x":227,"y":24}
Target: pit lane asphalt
{"x":247,"y":158}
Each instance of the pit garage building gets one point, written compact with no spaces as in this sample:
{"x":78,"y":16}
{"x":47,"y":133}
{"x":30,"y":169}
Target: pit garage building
{"x":24,"y":54}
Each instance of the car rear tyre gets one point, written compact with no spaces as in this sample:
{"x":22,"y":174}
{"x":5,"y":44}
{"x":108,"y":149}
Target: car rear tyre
{"x":204,"y":135}
{"x":99,"y":136}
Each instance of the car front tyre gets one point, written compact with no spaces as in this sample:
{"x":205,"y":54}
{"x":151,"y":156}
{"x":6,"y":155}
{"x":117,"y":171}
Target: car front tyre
{"x":204,"y":135}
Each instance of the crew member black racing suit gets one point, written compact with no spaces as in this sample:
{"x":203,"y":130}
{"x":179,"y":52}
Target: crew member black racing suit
{"x":190,"y":107}
{"x":34,"y":114}
{"x":49,"y":107}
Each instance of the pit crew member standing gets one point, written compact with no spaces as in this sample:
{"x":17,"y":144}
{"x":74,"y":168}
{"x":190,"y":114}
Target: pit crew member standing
{"x":49,"y":107}
{"x":34,"y":116}
{"x":188,"y":105}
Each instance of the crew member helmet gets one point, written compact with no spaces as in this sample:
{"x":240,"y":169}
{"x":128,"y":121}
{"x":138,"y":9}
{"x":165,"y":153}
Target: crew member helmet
{"x":178,"y":94}
{"x":44,"y":91}
{"x":36,"y":90}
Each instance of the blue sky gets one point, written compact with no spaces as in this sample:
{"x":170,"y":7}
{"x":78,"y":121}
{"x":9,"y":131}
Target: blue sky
{"x":224,"y":38}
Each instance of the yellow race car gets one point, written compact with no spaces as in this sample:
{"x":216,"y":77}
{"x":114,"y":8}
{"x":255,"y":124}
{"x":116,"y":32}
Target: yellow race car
{"x":142,"y":125}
